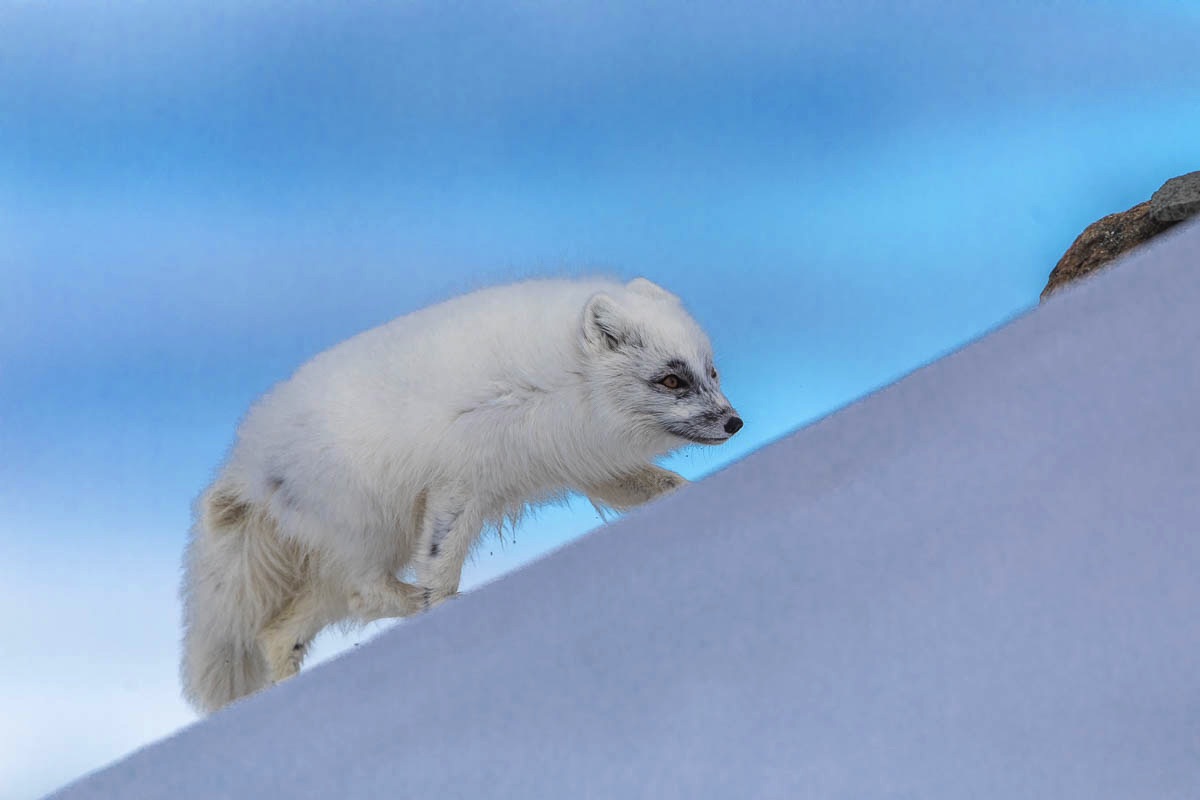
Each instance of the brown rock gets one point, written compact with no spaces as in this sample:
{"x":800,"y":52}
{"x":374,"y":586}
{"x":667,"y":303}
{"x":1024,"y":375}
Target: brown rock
{"x":1103,"y":241}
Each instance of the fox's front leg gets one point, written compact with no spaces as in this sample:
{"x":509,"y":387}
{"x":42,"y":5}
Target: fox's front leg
{"x":450,"y":526}
{"x":635,"y":488}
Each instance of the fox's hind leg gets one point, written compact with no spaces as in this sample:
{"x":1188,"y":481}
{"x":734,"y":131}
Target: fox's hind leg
{"x":635,"y":488}
{"x":285,"y":640}
{"x":451,"y":524}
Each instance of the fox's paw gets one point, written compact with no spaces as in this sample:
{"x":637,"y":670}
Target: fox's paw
{"x":669,"y":481}
{"x":283,"y":656}
{"x":290,"y":665}
{"x":435,"y":597}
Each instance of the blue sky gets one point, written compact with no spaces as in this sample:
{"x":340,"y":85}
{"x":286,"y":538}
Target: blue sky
{"x":194,"y":198}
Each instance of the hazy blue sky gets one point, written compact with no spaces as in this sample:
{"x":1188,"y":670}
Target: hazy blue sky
{"x":195,"y":197}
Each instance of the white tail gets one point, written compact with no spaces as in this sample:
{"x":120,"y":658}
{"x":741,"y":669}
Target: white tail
{"x":238,"y":575}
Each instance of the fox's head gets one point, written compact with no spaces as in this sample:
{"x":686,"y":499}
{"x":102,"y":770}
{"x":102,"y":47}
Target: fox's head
{"x":652,"y":365}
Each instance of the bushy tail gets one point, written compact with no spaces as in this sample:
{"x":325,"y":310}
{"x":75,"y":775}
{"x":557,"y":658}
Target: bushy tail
{"x":237,"y":575}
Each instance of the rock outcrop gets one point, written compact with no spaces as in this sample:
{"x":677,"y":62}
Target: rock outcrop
{"x":1111,"y":237}
{"x":1177,"y":199}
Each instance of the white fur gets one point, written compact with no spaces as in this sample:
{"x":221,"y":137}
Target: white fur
{"x":388,"y":455}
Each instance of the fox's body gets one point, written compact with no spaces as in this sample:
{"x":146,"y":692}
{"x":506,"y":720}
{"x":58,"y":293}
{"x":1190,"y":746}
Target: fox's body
{"x":388,"y":454}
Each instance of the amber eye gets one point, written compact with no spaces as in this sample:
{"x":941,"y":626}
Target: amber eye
{"x":672,"y":382}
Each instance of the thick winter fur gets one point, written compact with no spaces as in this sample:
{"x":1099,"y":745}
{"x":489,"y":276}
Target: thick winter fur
{"x":386,"y":456}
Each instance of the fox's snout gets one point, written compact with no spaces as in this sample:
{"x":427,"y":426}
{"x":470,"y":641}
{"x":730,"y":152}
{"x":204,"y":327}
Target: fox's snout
{"x":733,"y":425}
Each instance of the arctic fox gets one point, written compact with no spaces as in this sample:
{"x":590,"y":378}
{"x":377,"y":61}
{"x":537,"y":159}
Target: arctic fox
{"x":386,"y":456}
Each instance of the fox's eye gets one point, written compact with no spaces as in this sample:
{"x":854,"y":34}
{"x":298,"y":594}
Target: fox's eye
{"x":712,"y":372}
{"x":673,"y":382}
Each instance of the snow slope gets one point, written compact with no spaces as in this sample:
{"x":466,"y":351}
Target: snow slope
{"x":979,"y":582}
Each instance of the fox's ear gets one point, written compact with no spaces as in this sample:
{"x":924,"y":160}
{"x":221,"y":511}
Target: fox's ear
{"x":603,"y":324}
{"x":650,"y":289}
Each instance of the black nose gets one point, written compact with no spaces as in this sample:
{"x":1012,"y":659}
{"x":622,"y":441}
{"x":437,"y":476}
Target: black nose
{"x":733,"y":425}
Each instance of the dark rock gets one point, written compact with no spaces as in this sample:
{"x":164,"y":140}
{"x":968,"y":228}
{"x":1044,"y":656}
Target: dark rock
{"x":1177,"y":199}
{"x":1105,"y":240}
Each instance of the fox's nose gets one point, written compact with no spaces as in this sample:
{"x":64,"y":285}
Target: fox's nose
{"x":733,"y":425}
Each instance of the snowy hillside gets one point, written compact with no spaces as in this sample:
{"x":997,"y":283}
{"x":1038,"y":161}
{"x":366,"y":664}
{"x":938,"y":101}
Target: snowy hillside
{"x":978,"y":582}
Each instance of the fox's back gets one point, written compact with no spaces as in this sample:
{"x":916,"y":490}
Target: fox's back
{"x":396,"y":390}
{"x":445,"y":354}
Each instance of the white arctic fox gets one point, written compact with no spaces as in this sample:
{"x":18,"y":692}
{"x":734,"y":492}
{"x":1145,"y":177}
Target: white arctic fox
{"x":387,"y":455}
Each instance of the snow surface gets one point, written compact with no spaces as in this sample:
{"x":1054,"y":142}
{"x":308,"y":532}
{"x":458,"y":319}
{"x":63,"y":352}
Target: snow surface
{"x":979,"y":582}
